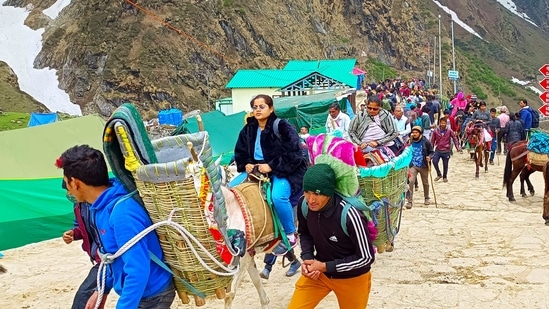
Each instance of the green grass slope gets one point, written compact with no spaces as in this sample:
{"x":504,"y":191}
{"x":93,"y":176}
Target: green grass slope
{"x":11,"y":98}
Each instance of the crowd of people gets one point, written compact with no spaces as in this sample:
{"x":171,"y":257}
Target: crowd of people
{"x":394,"y":115}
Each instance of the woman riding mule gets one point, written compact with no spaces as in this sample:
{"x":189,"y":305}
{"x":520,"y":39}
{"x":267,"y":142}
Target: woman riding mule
{"x":273,"y":147}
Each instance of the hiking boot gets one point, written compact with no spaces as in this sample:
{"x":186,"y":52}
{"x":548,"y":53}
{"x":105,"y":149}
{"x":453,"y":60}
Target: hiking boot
{"x":281,"y":248}
{"x":427,"y":201}
{"x":265,"y":273}
{"x":409,"y":205}
{"x":294,"y":267}
{"x":445,"y":179}
{"x":438,"y":178}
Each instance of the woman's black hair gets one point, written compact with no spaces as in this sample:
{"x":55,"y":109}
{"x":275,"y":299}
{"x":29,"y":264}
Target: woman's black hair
{"x":268,"y":100}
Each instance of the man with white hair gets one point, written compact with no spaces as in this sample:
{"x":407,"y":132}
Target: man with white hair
{"x":402,"y":124}
{"x":503,"y":120}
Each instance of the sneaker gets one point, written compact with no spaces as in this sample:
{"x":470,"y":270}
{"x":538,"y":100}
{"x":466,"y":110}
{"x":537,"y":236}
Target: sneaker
{"x":438,"y":178}
{"x":445,"y":179}
{"x":491,"y":162}
{"x":294,"y":267}
{"x":265,"y":273}
{"x":281,"y":248}
{"x":409,"y":205}
{"x":427,"y":201}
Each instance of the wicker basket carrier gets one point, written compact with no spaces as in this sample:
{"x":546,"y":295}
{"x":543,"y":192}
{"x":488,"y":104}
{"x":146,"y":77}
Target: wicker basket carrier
{"x":164,"y":187}
{"x":391,"y":187}
{"x":160,"y":199}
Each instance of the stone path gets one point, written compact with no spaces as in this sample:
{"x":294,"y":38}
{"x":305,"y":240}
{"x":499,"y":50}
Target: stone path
{"x":475,"y":250}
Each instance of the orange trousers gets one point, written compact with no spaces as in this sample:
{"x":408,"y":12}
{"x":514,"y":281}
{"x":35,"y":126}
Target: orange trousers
{"x":352,"y":293}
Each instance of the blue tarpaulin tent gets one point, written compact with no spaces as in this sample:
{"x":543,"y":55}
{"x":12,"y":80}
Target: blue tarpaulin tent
{"x":171,"y":116}
{"x":38,"y":119}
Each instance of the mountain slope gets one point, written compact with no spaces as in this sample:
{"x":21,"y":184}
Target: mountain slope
{"x":180,"y":54}
{"x":12,"y":99}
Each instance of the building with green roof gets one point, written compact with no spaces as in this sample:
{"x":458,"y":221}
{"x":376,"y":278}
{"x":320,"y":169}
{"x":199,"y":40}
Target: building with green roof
{"x":297,"y":78}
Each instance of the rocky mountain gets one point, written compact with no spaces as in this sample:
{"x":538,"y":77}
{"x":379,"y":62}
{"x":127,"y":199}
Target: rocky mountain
{"x":162,"y":53}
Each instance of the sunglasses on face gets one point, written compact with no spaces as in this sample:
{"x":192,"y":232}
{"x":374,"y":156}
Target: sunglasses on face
{"x":261,"y":107}
{"x":373,"y":108}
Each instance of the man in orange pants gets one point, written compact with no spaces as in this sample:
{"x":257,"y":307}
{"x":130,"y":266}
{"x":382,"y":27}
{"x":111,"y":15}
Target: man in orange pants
{"x":334,"y":259}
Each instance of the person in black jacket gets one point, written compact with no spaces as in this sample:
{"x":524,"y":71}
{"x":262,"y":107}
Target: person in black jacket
{"x":514,"y":131}
{"x":333,"y":260}
{"x":277,"y":153}
{"x":422,"y":151}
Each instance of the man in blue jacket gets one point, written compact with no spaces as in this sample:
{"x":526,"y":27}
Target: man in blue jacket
{"x":525,"y":115}
{"x":422,"y":152}
{"x":116,"y":218}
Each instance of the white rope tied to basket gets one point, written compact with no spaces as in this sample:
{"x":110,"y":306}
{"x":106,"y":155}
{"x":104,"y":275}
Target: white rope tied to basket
{"x":108,"y":258}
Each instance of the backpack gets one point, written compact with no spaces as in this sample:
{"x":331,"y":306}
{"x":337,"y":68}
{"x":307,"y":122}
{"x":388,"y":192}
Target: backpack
{"x":535,"y":118}
{"x":275,"y":127}
{"x":304,"y":152}
{"x":386,"y":104}
{"x":350,"y":201}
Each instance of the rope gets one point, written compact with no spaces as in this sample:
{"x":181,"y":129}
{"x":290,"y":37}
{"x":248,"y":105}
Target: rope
{"x":108,"y":258}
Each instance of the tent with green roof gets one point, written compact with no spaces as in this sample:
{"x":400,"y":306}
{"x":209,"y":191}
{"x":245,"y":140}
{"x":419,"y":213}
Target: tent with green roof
{"x":33,"y":206}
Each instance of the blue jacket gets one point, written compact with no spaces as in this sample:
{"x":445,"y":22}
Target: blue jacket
{"x":133,"y":275}
{"x":526,"y":117}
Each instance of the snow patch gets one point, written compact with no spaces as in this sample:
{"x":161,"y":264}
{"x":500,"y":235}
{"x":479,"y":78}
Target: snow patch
{"x":19,"y":46}
{"x":510,"y":5}
{"x":527,"y":84}
{"x":458,"y":21}
{"x":518,"y":81}
{"x":536,"y":90}
{"x":54,"y":10}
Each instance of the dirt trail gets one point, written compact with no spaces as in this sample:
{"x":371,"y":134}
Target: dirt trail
{"x":475,"y":250}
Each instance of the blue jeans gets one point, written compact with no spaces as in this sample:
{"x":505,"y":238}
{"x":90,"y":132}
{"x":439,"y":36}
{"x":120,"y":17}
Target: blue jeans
{"x":493,"y":149}
{"x":162,"y":300}
{"x":270,"y":259}
{"x":445,"y":156}
{"x":281,"y":192}
{"x":86,"y":289}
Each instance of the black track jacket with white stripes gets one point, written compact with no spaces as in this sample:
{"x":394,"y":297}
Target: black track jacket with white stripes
{"x":322,"y":238}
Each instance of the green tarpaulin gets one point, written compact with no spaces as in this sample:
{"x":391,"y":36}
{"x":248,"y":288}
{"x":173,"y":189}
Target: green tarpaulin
{"x":222,"y":130}
{"x":310,"y":111}
{"x":33,"y":206}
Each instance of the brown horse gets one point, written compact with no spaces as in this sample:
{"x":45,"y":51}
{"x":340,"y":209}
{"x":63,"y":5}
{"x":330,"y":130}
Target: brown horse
{"x":516,"y":163}
{"x":476,"y":141}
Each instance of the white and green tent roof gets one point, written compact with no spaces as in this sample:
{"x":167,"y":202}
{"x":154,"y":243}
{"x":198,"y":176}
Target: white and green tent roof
{"x":33,"y":206}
